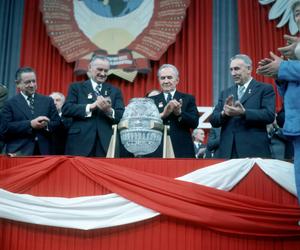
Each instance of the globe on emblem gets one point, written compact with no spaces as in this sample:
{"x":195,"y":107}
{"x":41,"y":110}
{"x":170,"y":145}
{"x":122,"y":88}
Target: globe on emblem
{"x":141,"y":127}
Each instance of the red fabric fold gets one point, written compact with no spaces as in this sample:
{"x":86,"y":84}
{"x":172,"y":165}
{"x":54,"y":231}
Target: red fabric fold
{"x":215,"y":209}
{"x":212,"y":208}
{"x":22,"y":177}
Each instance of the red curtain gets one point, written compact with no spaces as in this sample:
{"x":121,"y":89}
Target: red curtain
{"x":191,"y":54}
{"x":259,"y":35}
{"x":60,"y":177}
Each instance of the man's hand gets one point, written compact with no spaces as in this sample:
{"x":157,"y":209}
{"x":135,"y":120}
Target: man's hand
{"x":269,"y":66}
{"x":40,"y":122}
{"x":289,"y":50}
{"x":234,"y":110}
{"x":229,"y":100}
{"x":104,"y":104}
{"x":172,"y":107}
{"x":177,"y":107}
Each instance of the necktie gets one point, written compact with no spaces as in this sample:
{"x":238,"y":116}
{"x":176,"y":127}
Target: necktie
{"x":31,"y":103}
{"x":241,"y":91}
{"x":169,"y":97}
{"x":98,"y":89}
{"x":198,"y":146}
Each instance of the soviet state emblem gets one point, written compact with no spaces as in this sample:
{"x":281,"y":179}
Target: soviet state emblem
{"x":129,"y":32}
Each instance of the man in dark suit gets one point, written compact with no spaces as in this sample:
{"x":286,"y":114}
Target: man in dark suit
{"x":94,"y":106}
{"x":213,"y":143}
{"x":198,"y":136}
{"x":59,"y":137}
{"x":178,"y":110}
{"x":30,"y":117}
{"x":243,"y":122}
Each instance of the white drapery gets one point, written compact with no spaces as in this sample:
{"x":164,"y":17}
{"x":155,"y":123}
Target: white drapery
{"x":91,"y":212}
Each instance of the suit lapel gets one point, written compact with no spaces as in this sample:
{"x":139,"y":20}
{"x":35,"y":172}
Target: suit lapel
{"x":251,"y":89}
{"x":178,"y":96}
{"x":22,"y":105}
{"x":232,"y":91}
{"x":37,"y":105}
{"x":88,"y":90}
{"x":106,"y":90}
{"x":160,"y":102}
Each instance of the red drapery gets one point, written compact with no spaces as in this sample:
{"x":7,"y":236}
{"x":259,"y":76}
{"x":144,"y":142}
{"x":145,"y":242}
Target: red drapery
{"x":259,"y":35}
{"x":191,"y":54}
{"x":76,"y":176}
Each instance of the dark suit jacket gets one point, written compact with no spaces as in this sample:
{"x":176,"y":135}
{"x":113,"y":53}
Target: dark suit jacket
{"x":20,"y":137}
{"x":59,"y":137}
{"x":247,"y":132}
{"x":3,"y":128}
{"x":3,"y":97}
{"x":213,"y":143}
{"x":180,"y":126}
{"x":84,"y":130}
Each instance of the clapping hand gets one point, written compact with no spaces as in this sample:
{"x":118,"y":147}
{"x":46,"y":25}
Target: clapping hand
{"x":104,"y":103}
{"x":40,"y":122}
{"x":289,"y":50}
{"x":232,"y":108}
{"x":173,"y":106}
{"x":269,"y":66}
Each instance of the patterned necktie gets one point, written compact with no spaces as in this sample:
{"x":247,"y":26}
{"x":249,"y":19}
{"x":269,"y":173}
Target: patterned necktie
{"x":98,"y":89}
{"x":169,"y":97}
{"x":240,"y":93}
{"x":31,"y":103}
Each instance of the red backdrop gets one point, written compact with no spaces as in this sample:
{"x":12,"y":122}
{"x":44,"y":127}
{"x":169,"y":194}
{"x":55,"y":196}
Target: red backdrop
{"x":191,"y":54}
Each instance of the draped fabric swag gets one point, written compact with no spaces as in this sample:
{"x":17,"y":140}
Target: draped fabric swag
{"x":218,"y":210}
{"x":45,"y":177}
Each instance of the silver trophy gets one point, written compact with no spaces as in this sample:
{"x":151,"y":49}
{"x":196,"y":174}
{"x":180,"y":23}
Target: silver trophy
{"x":141,"y":127}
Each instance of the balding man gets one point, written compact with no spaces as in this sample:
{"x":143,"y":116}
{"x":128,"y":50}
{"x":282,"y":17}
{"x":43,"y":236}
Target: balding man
{"x":94,"y":107}
{"x":242,"y":112}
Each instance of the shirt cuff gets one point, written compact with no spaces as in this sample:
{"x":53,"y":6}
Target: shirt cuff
{"x":111,"y":114}
{"x":88,"y":112}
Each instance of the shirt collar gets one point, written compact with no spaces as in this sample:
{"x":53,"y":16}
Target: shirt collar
{"x":94,"y":84}
{"x":171,"y":92}
{"x":26,"y":96}
{"x":247,"y":83}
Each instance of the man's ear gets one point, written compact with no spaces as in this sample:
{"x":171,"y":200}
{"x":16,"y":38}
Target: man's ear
{"x":18,"y":82}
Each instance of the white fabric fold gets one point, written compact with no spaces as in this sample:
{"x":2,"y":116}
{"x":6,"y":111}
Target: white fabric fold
{"x":223,"y":176}
{"x":110,"y":210}
{"x":88,"y":212}
{"x":283,"y":173}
